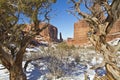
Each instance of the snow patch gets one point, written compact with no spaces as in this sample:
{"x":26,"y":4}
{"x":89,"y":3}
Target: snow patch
{"x":114,"y":42}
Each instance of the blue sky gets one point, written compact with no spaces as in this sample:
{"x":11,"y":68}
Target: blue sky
{"x":63,"y":20}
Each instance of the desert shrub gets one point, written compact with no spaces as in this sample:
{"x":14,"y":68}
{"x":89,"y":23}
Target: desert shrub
{"x":64,"y":46}
{"x":76,"y":56}
{"x":54,"y":59}
{"x":54,"y":65}
{"x":58,"y":56}
{"x":91,"y":47}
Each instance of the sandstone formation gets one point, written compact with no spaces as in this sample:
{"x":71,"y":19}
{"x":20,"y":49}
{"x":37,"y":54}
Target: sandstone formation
{"x":61,"y":39}
{"x":80,"y":33}
{"x":49,"y":34}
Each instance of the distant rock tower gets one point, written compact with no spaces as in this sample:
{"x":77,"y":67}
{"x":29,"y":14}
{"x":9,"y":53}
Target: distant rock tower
{"x":61,"y":39}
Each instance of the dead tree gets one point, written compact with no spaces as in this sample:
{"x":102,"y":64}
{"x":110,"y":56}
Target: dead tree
{"x":101,"y":17}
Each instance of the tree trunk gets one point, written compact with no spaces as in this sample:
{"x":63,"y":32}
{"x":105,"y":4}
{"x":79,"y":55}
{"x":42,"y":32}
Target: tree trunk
{"x":113,"y":72}
{"x":105,"y":77}
{"x":16,"y":73}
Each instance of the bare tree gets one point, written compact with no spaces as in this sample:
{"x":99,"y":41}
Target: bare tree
{"x":13,"y":41}
{"x":101,"y":16}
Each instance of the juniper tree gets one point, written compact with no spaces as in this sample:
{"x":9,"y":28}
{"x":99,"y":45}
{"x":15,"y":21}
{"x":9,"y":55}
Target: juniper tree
{"x":101,"y":16}
{"x":13,"y":41}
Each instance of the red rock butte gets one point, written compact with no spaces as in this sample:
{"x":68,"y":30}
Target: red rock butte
{"x":49,"y":34}
{"x":80,"y":33}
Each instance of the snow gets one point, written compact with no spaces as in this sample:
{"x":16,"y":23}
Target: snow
{"x":96,"y":61}
{"x":81,"y":77}
{"x":38,"y":72}
{"x":4,"y":75}
{"x":34,"y":49}
{"x":114,"y":42}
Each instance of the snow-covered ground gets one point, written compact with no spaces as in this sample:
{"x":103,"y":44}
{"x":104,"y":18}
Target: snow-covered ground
{"x":4,"y":75}
{"x":39,"y":73}
{"x":41,"y":69}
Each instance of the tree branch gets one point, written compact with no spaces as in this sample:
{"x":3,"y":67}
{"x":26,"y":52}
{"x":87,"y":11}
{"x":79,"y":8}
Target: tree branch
{"x":90,"y":9}
{"x":71,"y":12}
{"x":76,"y":6}
{"x":6,"y":59}
{"x":24,"y":44}
{"x":113,"y":14}
{"x":113,"y":71}
{"x":116,"y":47}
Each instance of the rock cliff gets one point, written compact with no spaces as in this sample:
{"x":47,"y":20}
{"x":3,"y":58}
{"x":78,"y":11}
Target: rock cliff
{"x":80,"y":33}
{"x":48,"y":34}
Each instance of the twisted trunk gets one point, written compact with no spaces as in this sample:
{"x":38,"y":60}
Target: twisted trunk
{"x":17,"y":73}
{"x":16,"y":70}
{"x":113,"y":72}
{"x":13,"y":64}
{"x":100,"y":26}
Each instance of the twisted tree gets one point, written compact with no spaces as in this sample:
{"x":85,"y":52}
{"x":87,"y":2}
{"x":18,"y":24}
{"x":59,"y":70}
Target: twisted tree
{"x":101,"y":16}
{"x":13,"y":41}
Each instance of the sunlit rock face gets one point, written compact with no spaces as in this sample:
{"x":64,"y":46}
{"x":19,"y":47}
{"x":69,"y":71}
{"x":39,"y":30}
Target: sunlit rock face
{"x":48,"y":34}
{"x":80,"y":33}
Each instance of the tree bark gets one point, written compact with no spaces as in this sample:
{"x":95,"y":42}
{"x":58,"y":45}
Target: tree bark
{"x":16,"y":73}
{"x":113,"y":72}
{"x":16,"y":70}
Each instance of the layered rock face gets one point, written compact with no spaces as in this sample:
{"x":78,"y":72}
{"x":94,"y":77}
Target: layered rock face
{"x":80,"y":33}
{"x":48,"y":34}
